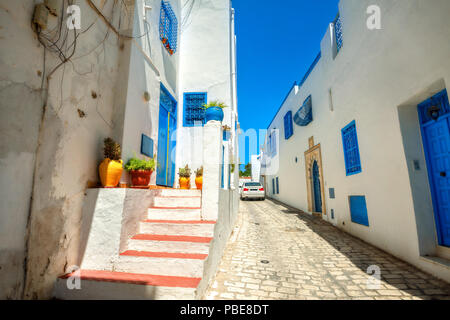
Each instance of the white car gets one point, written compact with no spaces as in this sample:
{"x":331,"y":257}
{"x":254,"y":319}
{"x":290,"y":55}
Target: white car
{"x":253,"y":190}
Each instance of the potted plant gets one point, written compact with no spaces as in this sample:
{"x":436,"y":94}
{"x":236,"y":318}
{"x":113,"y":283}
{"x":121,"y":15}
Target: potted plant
{"x":214,"y":111}
{"x":110,"y":170}
{"x":140,"y":171}
{"x":185,"y":177}
{"x":199,"y":178}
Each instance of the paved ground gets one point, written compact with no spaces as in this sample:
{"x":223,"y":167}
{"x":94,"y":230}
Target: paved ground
{"x":309,"y":259}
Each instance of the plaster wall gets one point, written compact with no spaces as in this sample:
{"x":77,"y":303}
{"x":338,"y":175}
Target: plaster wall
{"x":207,"y":60}
{"x":377,"y":79}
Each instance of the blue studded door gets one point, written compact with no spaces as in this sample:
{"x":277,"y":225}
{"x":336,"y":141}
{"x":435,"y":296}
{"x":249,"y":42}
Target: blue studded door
{"x":316,"y":188}
{"x":434,"y":115}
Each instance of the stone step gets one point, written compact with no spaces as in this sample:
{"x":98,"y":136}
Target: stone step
{"x":173,"y":244}
{"x":107,"y":285}
{"x":177,"y":202}
{"x":174,"y":214}
{"x":180,"y":193}
{"x":165,"y":264}
{"x":181,"y":228}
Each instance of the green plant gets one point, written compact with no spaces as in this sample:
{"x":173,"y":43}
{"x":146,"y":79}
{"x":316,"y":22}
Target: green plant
{"x":214,"y":103}
{"x":112,"y":149}
{"x":135,"y":164}
{"x":185,"y":172}
{"x":199,"y":172}
{"x":233,"y":166}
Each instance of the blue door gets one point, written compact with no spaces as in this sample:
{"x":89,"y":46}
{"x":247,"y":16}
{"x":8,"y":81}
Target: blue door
{"x":316,"y":188}
{"x":434,"y":115}
{"x":165,"y":175}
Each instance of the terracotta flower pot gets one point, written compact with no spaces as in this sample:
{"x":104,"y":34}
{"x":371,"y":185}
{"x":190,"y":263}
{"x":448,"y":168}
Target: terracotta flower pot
{"x":199,"y":182}
{"x":185,"y":183}
{"x":110,"y":172}
{"x":140,"y":178}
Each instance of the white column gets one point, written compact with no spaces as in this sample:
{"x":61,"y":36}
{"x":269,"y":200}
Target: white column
{"x":212,"y":169}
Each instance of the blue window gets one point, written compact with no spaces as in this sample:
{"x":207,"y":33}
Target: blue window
{"x":338,"y":32}
{"x":273,"y":186}
{"x":168,"y":27}
{"x":358,"y":210}
{"x":194,"y":114}
{"x":147,"y":146}
{"x":278,"y":186}
{"x":288,"y":127}
{"x":351,"y":149}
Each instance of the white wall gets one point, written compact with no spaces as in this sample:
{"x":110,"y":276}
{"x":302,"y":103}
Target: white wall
{"x":207,"y":51}
{"x":377,"y":79}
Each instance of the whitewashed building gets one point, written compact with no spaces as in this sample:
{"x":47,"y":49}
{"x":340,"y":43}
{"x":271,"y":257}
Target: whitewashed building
{"x":363,"y":139}
{"x":137,"y":71}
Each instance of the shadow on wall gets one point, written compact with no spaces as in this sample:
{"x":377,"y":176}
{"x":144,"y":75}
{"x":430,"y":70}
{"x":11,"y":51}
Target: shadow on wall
{"x":362,"y":255}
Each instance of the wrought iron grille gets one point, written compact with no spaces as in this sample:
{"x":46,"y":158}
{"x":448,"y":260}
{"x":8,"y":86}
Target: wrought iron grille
{"x":351,"y":149}
{"x":338,"y":32}
{"x":168,"y":27}
{"x":193,"y":109}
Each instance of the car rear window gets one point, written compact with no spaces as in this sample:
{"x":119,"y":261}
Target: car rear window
{"x":253,"y":184}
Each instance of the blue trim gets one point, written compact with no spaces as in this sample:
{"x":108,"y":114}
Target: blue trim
{"x":288,"y":125}
{"x":284,"y":100}
{"x":311,"y":68}
{"x":358,"y":210}
{"x":193,"y":108}
{"x":351,"y":149}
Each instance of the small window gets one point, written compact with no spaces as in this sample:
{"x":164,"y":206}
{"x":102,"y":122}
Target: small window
{"x":273,"y":186}
{"x":338,"y":32}
{"x":358,"y":210}
{"x":288,"y":127}
{"x":194,"y":114}
{"x":168,"y":28}
{"x":351,"y":149}
{"x":273,"y":143}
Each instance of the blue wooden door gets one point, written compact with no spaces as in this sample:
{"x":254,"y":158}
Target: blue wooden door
{"x":316,"y":188}
{"x":165,"y":175}
{"x":436,"y":138}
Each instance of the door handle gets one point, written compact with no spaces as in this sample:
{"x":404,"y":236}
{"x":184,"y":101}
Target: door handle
{"x":443,"y":174}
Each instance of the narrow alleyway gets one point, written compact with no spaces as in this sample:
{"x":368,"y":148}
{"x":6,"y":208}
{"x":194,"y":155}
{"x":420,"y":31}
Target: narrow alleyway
{"x":281,"y":253}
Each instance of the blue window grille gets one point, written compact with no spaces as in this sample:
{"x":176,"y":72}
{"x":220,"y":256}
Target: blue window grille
{"x":168,"y":27}
{"x":338,"y":32}
{"x":351,"y":149}
{"x":288,"y":127}
{"x":194,"y":114}
{"x":358,"y":210}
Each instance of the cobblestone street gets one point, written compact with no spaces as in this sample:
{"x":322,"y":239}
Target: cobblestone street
{"x":281,"y":253}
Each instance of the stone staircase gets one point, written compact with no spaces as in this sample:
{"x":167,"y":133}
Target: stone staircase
{"x":165,"y":260}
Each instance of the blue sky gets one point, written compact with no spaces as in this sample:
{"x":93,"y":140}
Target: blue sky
{"x":276,"y":44}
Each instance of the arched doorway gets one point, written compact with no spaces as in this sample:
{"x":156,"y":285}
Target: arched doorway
{"x":317,"y":193}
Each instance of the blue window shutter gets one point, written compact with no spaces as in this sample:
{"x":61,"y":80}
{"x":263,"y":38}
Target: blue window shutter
{"x":278,"y":186}
{"x":193,"y":108}
{"x":273,"y":186}
{"x":288,"y":127}
{"x":358,"y":210}
{"x":351,"y":149}
{"x":168,"y":27}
